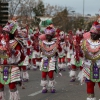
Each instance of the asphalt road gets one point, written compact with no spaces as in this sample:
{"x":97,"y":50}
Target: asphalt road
{"x":65,"y":90}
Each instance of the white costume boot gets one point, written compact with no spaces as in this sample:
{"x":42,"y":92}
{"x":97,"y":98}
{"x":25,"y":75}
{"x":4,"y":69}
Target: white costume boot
{"x":14,"y":95}
{"x":51,"y":85}
{"x":44,"y":85}
{"x":91,"y":98}
{"x":72,"y":74}
{"x":2,"y":96}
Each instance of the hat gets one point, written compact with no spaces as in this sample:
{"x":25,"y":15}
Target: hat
{"x":95,"y":23}
{"x":10,"y":27}
{"x":95,"y":29}
{"x":49,"y":31}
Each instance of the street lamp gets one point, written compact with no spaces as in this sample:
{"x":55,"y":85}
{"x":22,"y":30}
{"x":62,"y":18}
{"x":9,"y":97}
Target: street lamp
{"x":73,"y":19}
{"x":83,"y":7}
{"x":73,"y":14}
{"x":83,"y":12}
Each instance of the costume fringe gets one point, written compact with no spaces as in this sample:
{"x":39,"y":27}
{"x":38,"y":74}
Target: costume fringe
{"x":2,"y":95}
{"x":72,"y":60}
{"x":44,"y":83}
{"x":80,"y":77}
{"x":92,"y":98}
{"x":72,"y":73}
{"x":51,"y":83}
{"x":64,"y":65}
{"x":38,"y":63}
{"x":25,"y":75}
{"x":14,"y":95}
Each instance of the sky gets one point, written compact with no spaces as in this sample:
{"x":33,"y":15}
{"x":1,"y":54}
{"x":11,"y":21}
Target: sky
{"x":90,"y":6}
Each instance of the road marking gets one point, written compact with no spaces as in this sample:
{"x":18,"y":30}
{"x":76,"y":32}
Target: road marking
{"x":36,"y":93}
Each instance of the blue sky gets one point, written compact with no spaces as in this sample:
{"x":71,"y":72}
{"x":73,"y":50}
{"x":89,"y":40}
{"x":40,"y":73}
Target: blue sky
{"x":91,"y":6}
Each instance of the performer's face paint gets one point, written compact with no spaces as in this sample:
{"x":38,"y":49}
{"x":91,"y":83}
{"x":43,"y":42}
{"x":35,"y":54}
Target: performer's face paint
{"x":95,"y":36}
{"x":49,"y":37}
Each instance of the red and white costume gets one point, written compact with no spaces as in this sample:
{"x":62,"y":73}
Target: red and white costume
{"x":24,"y":62}
{"x":36,"y":54}
{"x":69,"y":42}
{"x":48,"y":62}
{"x":91,"y":65}
{"x":11,"y":50}
{"x":62,"y":52}
{"x":76,"y":58}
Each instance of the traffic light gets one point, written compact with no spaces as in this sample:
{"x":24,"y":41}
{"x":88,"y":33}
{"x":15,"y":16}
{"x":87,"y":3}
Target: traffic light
{"x":3,"y":13}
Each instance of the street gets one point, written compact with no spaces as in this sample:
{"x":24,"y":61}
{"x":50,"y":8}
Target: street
{"x":65,"y":90}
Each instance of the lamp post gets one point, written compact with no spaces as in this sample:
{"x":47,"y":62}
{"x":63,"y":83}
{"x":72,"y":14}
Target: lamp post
{"x":83,"y":7}
{"x":73,"y":12}
{"x":83,"y":11}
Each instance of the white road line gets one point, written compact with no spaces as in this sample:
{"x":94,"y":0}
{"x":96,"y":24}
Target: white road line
{"x":36,"y":93}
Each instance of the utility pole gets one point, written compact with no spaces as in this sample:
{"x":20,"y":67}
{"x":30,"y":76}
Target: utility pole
{"x":83,"y":7}
{"x":83,"y":12}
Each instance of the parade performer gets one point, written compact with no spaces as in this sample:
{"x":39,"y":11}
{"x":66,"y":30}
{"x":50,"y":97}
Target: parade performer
{"x":80,"y":32}
{"x":91,"y":65}
{"x":76,"y":58}
{"x":36,"y":55}
{"x":62,"y":52}
{"x":48,"y":45}
{"x":25,"y":43}
{"x":69,"y":42}
{"x":29,"y":43}
{"x":29,"y":52}
{"x":9,"y":58}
